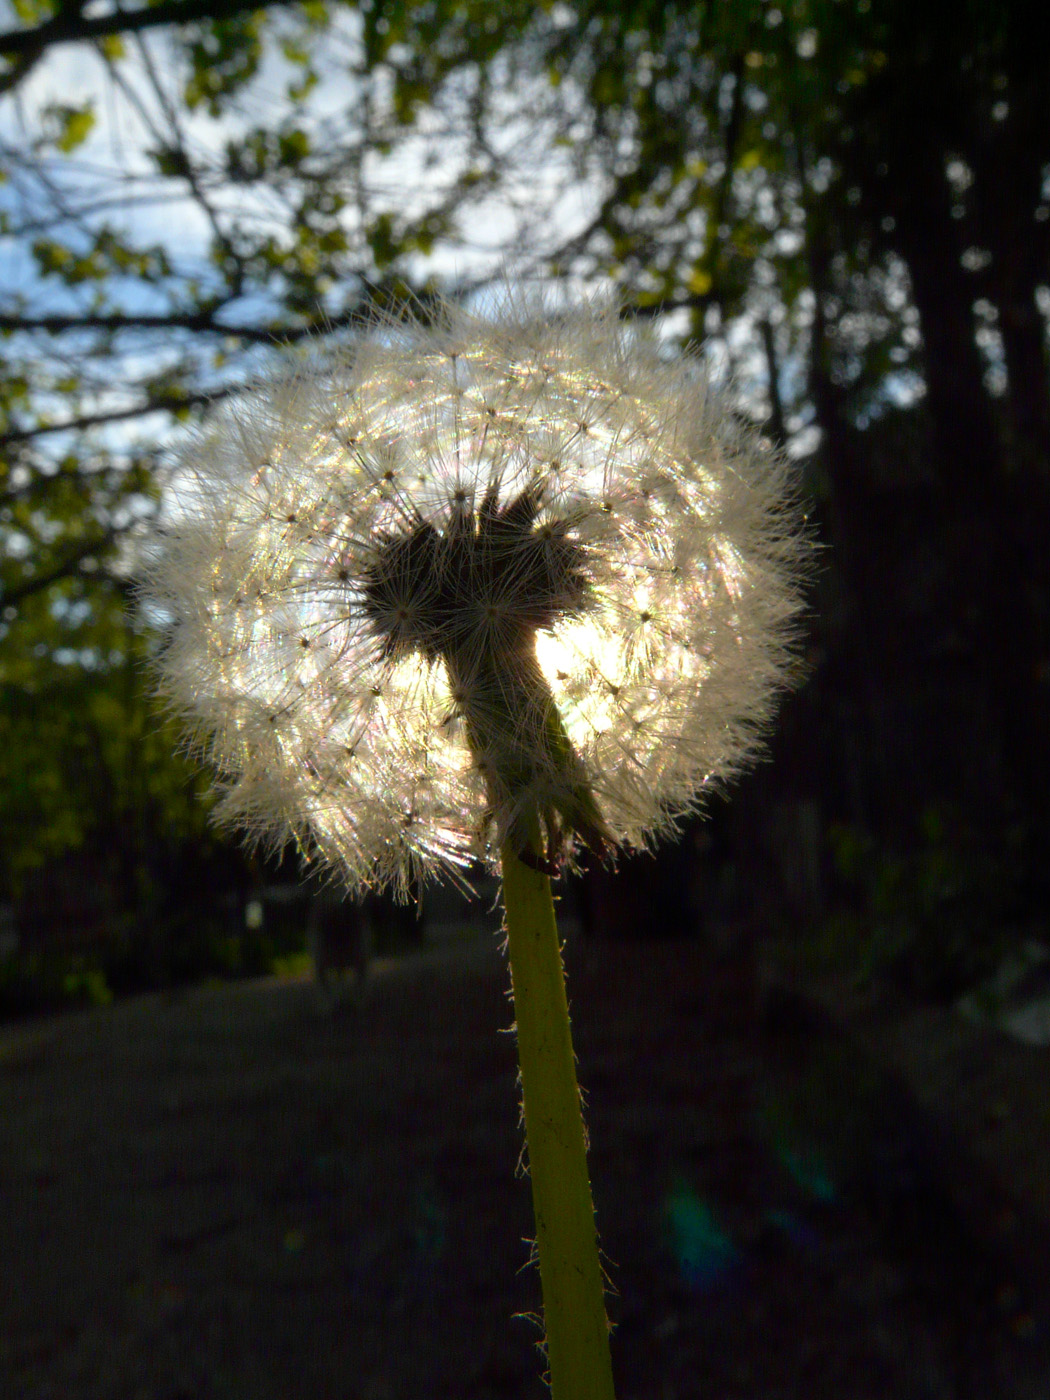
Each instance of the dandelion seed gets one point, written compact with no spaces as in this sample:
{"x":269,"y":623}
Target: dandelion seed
{"x":469,"y":574}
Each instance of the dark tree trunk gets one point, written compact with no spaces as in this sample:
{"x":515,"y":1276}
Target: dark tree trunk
{"x":987,"y":520}
{"x":861,"y":782}
{"x":996,"y":516}
{"x":1008,"y":160}
{"x":917,"y":194}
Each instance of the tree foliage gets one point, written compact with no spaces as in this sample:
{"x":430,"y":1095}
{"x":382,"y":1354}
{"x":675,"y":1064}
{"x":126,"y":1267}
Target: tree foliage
{"x":849,"y":201}
{"x":217,"y":182}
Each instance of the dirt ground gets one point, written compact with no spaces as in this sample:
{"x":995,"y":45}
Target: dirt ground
{"x":228,"y":1194}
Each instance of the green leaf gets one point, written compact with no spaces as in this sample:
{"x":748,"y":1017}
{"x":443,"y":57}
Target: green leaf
{"x":113,"y":47}
{"x":293,"y":146}
{"x":32,"y":11}
{"x":73,"y":125}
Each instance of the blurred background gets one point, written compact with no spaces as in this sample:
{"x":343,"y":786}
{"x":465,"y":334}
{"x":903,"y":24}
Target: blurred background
{"x":845,"y":204}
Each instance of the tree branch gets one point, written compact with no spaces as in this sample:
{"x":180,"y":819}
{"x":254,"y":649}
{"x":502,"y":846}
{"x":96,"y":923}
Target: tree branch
{"x":117,"y":415}
{"x":188,"y":321}
{"x":197,"y":321}
{"x":11,"y":597}
{"x":71,"y":27}
{"x":777,"y":429}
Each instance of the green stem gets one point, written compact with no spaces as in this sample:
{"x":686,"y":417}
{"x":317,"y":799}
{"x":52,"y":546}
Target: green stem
{"x":570,"y":1271}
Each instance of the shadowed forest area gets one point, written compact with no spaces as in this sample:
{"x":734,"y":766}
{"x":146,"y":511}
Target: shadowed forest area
{"x":848,"y":206}
{"x":227,"y":1193}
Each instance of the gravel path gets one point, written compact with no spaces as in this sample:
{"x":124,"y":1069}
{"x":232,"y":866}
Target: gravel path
{"x":228,"y":1194}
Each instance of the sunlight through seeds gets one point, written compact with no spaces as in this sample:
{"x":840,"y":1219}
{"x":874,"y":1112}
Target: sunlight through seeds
{"x":470,"y":570}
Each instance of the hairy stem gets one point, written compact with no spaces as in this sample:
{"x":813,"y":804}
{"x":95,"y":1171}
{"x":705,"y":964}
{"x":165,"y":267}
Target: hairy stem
{"x":570,"y":1272}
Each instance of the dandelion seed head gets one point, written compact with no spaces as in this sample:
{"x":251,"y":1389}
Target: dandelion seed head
{"x":464,"y":573}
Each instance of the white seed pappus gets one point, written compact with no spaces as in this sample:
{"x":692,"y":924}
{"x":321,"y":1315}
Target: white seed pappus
{"x":461,"y":572}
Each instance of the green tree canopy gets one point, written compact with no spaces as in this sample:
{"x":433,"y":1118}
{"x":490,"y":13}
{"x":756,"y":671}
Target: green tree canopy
{"x":850,"y":200}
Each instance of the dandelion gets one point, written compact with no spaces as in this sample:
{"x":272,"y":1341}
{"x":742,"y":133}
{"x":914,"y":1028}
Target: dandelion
{"x":468,"y":573}
{"x":501,"y":589}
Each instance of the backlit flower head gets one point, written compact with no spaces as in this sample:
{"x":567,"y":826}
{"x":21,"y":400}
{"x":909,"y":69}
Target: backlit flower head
{"x":516,"y":579}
